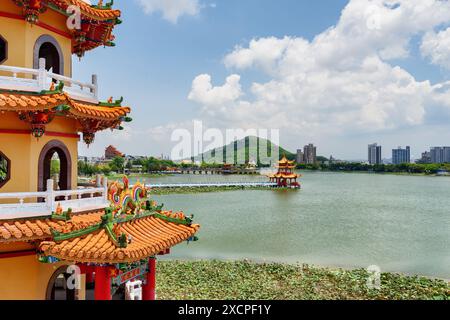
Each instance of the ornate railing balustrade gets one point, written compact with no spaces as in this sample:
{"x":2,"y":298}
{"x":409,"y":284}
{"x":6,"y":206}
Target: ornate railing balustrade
{"x":40,"y":204}
{"x":37,"y":80}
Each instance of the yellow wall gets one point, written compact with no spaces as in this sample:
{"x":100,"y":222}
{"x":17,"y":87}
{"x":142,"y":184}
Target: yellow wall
{"x":23,"y":150}
{"x":22,"y":36}
{"x":27,"y":278}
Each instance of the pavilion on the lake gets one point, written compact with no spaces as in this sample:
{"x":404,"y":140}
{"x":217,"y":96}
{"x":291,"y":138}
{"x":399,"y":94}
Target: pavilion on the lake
{"x":285,"y":177}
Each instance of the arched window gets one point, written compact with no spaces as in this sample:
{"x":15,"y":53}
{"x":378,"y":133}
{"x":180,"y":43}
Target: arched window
{"x":5,"y":169}
{"x":3,"y":50}
{"x":48,"y":48}
{"x":55,"y":158}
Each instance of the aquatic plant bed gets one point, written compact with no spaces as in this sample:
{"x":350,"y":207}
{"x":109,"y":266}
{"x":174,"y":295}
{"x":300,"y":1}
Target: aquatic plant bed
{"x":189,"y":190}
{"x":249,"y":281}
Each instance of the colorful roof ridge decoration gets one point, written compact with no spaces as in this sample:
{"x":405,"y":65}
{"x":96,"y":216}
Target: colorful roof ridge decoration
{"x":97,"y":12}
{"x":39,"y":109}
{"x":118,"y":234}
{"x":142,"y":238}
{"x":133,"y":229}
{"x":97,"y":21}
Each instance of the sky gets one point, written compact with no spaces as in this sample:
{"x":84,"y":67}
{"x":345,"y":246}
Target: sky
{"x":340,"y":74}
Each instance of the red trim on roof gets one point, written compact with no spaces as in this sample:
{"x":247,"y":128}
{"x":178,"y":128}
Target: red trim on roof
{"x":16,"y":254}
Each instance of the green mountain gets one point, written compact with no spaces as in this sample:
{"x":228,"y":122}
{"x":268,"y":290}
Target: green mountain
{"x":250,"y":149}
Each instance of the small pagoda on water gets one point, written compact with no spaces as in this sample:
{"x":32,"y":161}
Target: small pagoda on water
{"x":285,"y":176}
{"x":107,"y":235}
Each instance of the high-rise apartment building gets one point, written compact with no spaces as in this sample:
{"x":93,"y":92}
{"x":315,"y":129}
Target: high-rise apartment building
{"x":440,"y":155}
{"x":310,"y":154}
{"x":374,"y":154}
{"x":400,"y":155}
{"x":299,"y":157}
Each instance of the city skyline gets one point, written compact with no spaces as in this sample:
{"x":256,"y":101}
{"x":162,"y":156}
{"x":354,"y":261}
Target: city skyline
{"x":299,"y":154}
{"x":293,"y":67}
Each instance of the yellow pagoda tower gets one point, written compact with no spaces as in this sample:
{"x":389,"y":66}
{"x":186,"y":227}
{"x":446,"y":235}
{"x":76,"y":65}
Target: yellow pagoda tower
{"x":285,"y":176}
{"x":50,"y":229}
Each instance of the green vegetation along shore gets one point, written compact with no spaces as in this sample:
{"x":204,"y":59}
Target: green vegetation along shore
{"x":203,"y":280}
{"x":406,"y":168}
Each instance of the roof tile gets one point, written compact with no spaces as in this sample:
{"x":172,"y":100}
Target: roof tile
{"x":149,"y":236}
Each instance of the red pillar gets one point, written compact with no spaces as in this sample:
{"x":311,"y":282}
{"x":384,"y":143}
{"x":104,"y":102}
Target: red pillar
{"x":102,"y":283}
{"x":149,"y":289}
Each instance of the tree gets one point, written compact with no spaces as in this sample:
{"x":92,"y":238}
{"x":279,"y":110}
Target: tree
{"x":117,"y":164}
{"x":3,"y":168}
{"x":55,"y":166}
{"x":129,"y":165}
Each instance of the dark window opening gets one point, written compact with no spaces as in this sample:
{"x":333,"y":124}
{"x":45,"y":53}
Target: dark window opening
{"x":5,"y":169}
{"x":3,"y":50}
{"x":52,"y":59}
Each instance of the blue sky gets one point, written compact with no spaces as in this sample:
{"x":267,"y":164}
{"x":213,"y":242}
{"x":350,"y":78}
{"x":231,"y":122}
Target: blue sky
{"x":157,"y":59}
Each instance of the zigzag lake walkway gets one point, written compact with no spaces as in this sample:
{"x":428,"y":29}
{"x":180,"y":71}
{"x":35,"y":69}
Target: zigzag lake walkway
{"x":213,"y":185}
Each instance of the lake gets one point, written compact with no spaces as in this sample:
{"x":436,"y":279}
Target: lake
{"x":349,"y":220}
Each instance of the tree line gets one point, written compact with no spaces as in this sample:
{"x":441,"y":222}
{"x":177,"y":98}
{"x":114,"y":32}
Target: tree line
{"x":119,"y":164}
{"x":388,"y":168}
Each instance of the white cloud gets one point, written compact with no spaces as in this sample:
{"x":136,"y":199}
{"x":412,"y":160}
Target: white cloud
{"x":171,"y":10}
{"x":343,"y":81}
{"x":436,"y":46}
{"x":204,"y":92}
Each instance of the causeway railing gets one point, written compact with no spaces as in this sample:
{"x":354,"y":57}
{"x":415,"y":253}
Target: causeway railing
{"x":214,"y":185}
{"x":37,"y":80}
{"x":42,"y":204}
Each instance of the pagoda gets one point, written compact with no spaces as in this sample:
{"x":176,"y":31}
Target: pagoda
{"x":107,"y":236}
{"x":285,"y":176}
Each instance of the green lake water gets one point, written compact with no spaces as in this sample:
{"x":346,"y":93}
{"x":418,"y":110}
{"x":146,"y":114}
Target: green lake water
{"x":400,"y":223}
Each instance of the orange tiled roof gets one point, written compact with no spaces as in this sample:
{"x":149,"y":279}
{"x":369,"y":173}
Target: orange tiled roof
{"x":12,"y":101}
{"x":284,"y":176}
{"x":148,"y":236}
{"x":40,"y":229}
{"x":286,"y":166}
{"x":99,"y":112}
{"x":86,"y":9}
{"x":284,"y":161}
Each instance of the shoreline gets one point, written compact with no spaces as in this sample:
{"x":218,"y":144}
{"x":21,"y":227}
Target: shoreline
{"x":261,"y":281}
{"x":406,"y":174}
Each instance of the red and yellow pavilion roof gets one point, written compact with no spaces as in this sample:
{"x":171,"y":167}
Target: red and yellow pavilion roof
{"x":132,"y":229}
{"x":97,"y":21}
{"x":39,"y":109}
{"x":95,"y":12}
{"x":285,"y":163}
{"x":282,"y":175}
{"x":147,"y":236}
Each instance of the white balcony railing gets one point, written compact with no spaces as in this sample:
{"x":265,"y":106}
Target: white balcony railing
{"x":42,"y":204}
{"x":37,"y":80}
